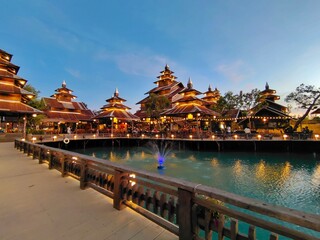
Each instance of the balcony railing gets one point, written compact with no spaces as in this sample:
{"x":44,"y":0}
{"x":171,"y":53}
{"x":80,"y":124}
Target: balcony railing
{"x":189,"y":210}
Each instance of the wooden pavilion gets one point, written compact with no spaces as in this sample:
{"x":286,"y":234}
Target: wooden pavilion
{"x":13,"y":98}
{"x":267,"y":114}
{"x":62,"y":112}
{"x":114,"y":116}
{"x":192,"y":110}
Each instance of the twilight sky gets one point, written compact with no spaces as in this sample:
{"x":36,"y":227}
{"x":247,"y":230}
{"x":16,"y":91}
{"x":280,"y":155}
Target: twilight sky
{"x":97,"y":46}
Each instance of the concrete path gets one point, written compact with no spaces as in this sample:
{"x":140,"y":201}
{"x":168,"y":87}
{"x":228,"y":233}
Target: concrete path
{"x":37,"y":203}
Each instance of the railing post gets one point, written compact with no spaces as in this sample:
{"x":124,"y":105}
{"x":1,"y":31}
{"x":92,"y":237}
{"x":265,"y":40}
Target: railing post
{"x":185,"y":214}
{"x":83,"y":174}
{"x":117,"y":196}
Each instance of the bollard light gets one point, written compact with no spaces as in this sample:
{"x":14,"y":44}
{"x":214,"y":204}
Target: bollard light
{"x":259,"y":137}
{"x":190,"y":136}
{"x":172,"y":136}
{"x":235,"y":137}
{"x":316,"y":136}
{"x":285,"y":136}
{"x":213,"y":136}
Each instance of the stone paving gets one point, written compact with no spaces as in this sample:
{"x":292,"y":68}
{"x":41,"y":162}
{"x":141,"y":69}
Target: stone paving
{"x":37,"y":203}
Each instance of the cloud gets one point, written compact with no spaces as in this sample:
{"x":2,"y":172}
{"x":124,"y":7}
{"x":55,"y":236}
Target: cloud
{"x":74,"y":72}
{"x":236,"y":71}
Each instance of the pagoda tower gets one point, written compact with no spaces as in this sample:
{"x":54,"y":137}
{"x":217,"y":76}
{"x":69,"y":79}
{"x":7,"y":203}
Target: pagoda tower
{"x":211,"y":96}
{"x":13,"y":98}
{"x":268,"y":94}
{"x":189,"y":104}
{"x":115,"y":113}
{"x":167,"y":86}
{"x":61,"y":109}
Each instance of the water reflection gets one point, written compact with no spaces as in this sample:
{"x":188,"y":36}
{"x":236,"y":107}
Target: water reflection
{"x":290,"y":180}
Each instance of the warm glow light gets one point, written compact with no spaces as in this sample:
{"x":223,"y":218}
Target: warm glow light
{"x":285,"y":136}
{"x":23,"y":139}
{"x":74,"y":158}
{"x":316,"y":136}
{"x":94,"y":135}
{"x":132,"y":176}
{"x":157,"y":135}
{"x":235,"y":136}
{"x":128,"y":135}
{"x":34,"y":139}
{"x":75,"y":136}
{"x":213,"y":136}
{"x":54,"y":138}
{"x":142,"y":135}
{"x":259,"y":137}
{"x":111,"y":135}
{"x":172,"y":136}
{"x":34,"y":115}
{"x":190,"y":136}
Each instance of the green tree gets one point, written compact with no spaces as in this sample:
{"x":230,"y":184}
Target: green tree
{"x":35,"y":102}
{"x":305,"y":97}
{"x":155,"y":105}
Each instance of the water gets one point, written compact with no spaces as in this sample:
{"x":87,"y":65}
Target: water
{"x":290,"y":180}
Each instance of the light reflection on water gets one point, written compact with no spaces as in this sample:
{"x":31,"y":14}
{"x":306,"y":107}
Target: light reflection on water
{"x":291,"y":180}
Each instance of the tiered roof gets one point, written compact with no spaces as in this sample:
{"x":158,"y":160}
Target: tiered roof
{"x":116,"y":109}
{"x":61,"y":108}
{"x":13,"y":98}
{"x":166,"y":86}
{"x":211,"y":96}
{"x":189,"y":103}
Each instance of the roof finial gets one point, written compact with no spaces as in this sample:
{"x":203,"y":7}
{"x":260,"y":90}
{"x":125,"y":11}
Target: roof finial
{"x":64,"y":84}
{"x":209,"y":88}
{"x":116,"y":92}
{"x":166,"y":67}
{"x":190,"y":84}
{"x":267,"y":86}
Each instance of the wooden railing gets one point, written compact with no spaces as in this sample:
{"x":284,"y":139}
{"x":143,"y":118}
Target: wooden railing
{"x":189,"y":210}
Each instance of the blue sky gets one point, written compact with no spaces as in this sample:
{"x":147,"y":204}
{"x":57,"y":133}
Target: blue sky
{"x":97,"y":46}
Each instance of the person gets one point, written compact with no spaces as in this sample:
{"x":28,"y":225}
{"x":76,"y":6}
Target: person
{"x":247,"y":131}
{"x":68,"y":130}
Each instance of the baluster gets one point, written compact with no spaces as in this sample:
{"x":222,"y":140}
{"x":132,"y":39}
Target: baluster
{"x":207,"y":221}
{"x":163,"y":205}
{"x":40,"y":155}
{"x":50,"y":165}
{"x":117,"y":198}
{"x":274,"y":236}
{"x":141,"y":197}
{"x":171,"y":209}
{"x":185,"y":213}
{"x":221,"y":227}
{"x":83,"y":174}
{"x":148,"y":199}
{"x":195,"y":224}
{"x":252,"y":233}
{"x":155,"y":202}
{"x":33,"y":152}
{"x":135,"y":195}
{"x":63,"y":166}
{"x":234,"y":229}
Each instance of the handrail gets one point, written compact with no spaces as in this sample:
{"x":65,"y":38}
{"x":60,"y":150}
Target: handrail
{"x":182,"y":207}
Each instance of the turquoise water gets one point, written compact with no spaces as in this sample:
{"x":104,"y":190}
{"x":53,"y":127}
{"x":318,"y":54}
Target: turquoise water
{"x":290,"y":180}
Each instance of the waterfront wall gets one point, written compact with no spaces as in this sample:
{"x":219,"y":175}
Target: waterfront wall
{"x":298,"y":146}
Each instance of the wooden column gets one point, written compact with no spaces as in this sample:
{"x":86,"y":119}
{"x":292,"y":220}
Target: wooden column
{"x":185,"y":214}
{"x":117,"y":198}
{"x":40,"y":155}
{"x":50,"y":165}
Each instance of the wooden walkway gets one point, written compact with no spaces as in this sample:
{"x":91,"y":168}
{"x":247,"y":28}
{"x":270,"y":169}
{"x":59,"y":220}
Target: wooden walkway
{"x":37,"y":203}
